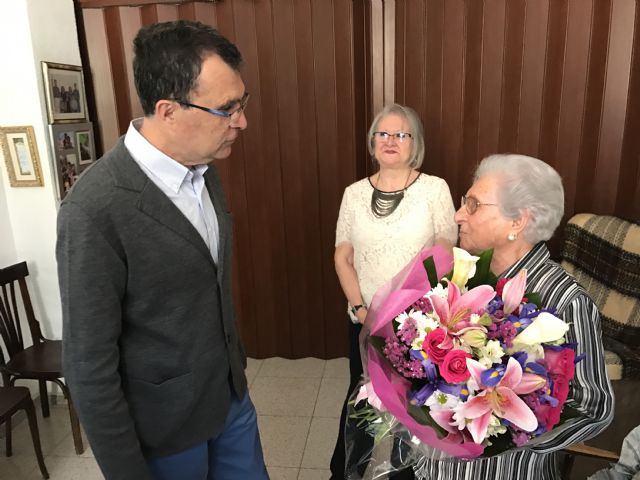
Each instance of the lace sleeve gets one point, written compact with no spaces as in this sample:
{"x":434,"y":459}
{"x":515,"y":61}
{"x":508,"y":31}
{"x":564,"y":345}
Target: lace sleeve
{"x":444,"y":226}
{"x":345,"y":220}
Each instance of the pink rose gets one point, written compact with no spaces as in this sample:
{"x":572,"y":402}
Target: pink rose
{"x":433,"y":345}
{"x":561,"y":370}
{"x":454,"y":366}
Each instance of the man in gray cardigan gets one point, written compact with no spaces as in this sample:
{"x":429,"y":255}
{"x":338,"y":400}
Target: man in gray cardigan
{"x":151,"y":348}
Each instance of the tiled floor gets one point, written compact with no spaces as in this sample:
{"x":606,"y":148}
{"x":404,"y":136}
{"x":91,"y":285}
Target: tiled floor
{"x":298,"y":404}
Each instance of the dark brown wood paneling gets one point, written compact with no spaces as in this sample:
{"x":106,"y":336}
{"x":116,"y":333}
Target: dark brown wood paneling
{"x":599,"y":46}
{"x":472,"y":81}
{"x":432,"y":109}
{"x":614,"y":108}
{"x":532,"y":83}
{"x":450,"y":163}
{"x":491,"y":85}
{"x":513,"y":61}
{"x":628,"y":197}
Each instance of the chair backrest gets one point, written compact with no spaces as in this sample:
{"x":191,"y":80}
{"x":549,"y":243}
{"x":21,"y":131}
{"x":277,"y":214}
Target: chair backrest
{"x":603,"y":253}
{"x":12,"y":279}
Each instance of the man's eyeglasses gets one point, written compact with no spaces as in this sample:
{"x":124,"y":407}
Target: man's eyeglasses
{"x":385,"y":136}
{"x":471,"y":204}
{"x":231,"y":115}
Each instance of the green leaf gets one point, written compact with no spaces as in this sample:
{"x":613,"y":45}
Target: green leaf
{"x":430,"y":267}
{"x":421,"y":415}
{"x":534,"y":298}
{"x":484,"y":275}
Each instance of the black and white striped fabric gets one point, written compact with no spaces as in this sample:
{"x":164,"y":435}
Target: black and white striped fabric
{"x":591,"y":389}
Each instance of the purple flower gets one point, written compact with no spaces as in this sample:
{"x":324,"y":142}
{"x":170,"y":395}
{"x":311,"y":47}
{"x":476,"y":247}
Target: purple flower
{"x":408,"y":332}
{"x":423,"y":304}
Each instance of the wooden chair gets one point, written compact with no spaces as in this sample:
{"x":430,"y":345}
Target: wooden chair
{"x":43,"y":360}
{"x":13,"y":399}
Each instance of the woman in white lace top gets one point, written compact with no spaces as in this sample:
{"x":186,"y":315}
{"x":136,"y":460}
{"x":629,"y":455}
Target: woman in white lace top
{"x":384,"y":221}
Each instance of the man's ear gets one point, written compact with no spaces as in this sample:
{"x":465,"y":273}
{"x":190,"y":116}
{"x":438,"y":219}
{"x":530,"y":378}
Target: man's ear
{"x":519,"y":224}
{"x":165,"y":110}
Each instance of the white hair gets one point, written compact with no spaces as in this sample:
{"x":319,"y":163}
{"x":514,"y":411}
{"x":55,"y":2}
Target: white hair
{"x":527,"y":183}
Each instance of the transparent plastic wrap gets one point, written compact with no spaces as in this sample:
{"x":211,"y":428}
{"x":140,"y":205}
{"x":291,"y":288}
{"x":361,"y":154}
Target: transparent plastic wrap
{"x":390,"y":429}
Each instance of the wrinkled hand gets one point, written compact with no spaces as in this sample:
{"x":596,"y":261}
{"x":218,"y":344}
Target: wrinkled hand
{"x":361,"y":314}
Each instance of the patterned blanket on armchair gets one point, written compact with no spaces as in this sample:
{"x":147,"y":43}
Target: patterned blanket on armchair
{"x":603,"y":253}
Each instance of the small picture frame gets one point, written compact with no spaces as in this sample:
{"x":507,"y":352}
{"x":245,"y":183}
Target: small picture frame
{"x":84,"y":143}
{"x":65,"y":93}
{"x":21,"y":156}
{"x":73,"y":150}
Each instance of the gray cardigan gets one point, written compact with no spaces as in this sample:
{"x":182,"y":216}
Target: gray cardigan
{"x":150,"y":344}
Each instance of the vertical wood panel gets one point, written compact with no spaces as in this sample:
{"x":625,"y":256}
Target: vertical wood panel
{"x":628,"y":197}
{"x":572,"y":104}
{"x":118,"y":67}
{"x":599,"y":46}
{"x":513,"y":60}
{"x":472,"y":82}
{"x":491,"y":83}
{"x":533,"y":66}
{"x":148,"y":14}
{"x":96,"y":39}
{"x":433,"y":108}
{"x":130,"y":24}
{"x":452,"y":91}
{"x":331,"y":170}
{"x":614,"y":109}
{"x":554,"y":70}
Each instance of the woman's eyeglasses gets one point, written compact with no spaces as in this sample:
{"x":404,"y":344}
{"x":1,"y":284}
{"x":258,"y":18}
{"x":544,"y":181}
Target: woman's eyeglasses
{"x":471,"y":204}
{"x":385,"y":136}
{"x":231,"y":115}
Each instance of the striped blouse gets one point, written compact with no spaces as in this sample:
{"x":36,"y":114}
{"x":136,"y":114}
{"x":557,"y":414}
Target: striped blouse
{"x":591,"y":390}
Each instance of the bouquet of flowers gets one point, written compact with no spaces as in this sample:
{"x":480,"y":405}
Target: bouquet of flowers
{"x":468,"y":366}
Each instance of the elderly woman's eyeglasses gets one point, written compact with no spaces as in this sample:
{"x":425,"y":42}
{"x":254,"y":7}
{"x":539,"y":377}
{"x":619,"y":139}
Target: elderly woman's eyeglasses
{"x":231,"y":115}
{"x":471,"y":204}
{"x":385,"y":136}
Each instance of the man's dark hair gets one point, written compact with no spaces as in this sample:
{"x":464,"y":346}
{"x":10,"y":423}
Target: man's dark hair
{"x":169,"y":56}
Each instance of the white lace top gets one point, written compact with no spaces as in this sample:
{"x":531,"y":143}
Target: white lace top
{"x":382,"y":246}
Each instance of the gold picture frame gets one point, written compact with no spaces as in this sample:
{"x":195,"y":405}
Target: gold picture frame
{"x":64,"y":92}
{"x":21,"y":156}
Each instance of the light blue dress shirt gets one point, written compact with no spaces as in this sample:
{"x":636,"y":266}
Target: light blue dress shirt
{"x":184,"y":186}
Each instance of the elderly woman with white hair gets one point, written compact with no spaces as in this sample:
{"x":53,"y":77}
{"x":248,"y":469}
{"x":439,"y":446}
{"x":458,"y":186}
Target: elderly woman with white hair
{"x":384,"y":221}
{"x":514,"y":205}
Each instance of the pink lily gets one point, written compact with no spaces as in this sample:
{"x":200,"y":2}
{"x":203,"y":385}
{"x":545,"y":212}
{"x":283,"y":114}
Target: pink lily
{"x":500,"y":398}
{"x":514,"y":291}
{"x":366,"y":392}
{"x":455,"y":311}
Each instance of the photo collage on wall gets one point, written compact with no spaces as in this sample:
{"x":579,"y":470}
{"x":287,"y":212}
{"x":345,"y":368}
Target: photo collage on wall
{"x":70,"y":131}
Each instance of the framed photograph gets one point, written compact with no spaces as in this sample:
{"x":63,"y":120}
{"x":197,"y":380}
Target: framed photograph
{"x":21,"y":156}
{"x":65,"y":94}
{"x":73,"y":150}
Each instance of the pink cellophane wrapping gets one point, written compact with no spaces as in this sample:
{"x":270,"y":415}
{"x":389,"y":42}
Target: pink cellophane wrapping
{"x":409,"y":285}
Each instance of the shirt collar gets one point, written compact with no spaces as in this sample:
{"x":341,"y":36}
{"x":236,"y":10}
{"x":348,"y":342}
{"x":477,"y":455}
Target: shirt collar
{"x":169,"y":171}
{"x":534,"y":257}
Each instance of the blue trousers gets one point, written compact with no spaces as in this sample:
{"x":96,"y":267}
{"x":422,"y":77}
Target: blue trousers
{"x":234,"y":454}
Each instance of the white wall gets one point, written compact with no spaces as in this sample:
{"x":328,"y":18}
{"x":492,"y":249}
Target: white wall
{"x":32,"y":31}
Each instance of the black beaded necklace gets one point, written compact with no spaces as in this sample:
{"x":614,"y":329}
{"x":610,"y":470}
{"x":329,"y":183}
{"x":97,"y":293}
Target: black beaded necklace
{"x":384,"y":204}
